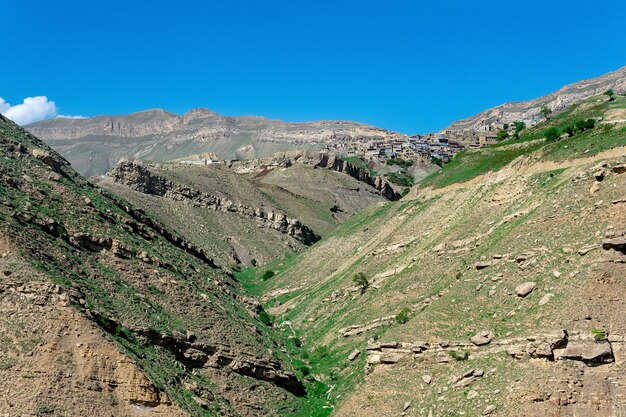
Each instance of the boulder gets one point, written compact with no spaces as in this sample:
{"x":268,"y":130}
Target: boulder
{"x":482,"y":338}
{"x":524,"y":289}
{"x":427,"y":379}
{"x":489,"y":410}
{"x":545,"y":299}
{"x":618,"y":244}
{"x":599,"y":175}
{"x":354,"y":354}
{"x":591,"y":353}
{"x":595,"y":187}
{"x":482,"y":265}
{"x":390,"y":357}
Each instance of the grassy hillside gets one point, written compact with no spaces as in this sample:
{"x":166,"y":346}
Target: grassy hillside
{"x":444,"y":264}
{"x":606,"y":135}
{"x":129,"y":277}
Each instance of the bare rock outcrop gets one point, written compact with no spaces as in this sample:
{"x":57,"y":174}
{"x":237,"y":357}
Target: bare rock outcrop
{"x":139,"y":176}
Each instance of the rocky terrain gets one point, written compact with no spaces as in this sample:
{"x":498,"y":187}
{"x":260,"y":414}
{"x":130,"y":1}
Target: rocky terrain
{"x":320,"y":160}
{"x":91,"y":291}
{"x":243,"y":219}
{"x":94,"y":145}
{"x":531,"y":110}
{"x":493,"y":288}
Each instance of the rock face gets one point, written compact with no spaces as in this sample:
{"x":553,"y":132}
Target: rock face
{"x":337,"y":164}
{"x":139,"y":176}
{"x":105,"y":311}
{"x":320,"y":160}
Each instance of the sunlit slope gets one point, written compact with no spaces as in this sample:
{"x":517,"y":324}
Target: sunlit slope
{"x":444,"y":264}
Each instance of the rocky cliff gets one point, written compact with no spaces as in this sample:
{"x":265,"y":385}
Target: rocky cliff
{"x":321,"y":160}
{"x":384,"y":187}
{"x":139,"y":176}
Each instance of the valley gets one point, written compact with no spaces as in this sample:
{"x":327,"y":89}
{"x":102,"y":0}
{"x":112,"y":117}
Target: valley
{"x":299,"y":282}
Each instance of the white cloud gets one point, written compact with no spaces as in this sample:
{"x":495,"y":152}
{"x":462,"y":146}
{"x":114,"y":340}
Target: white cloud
{"x":33,"y":109}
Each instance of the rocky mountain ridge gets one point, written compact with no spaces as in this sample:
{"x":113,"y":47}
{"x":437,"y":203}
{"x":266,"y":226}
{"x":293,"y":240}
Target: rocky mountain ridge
{"x":94,"y":145}
{"x":556,"y":102}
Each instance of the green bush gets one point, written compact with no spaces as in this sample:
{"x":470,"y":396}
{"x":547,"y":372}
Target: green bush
{"x":400,"y":179}
{"x":552,"y":134}
{"x":405,"y":163}
{"x":267,"y":275}
{"x":265,"y":318}
{"x":570,"y":130}
{"x":583,"y":125}
{"x":502,"y":135}
{"x":403,"y":316}
{"x":361,"y":281}
{"x":459,"y":356}
{"x":598,"y":334}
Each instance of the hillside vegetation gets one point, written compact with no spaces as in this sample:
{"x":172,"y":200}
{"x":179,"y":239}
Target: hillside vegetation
{"x":493,"y":287}
{"x":105,"y":311}
{"x":607,"y":134}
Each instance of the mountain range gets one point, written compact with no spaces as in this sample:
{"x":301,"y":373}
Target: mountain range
{"x":94,"y":145}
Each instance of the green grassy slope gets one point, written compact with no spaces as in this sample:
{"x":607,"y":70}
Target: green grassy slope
{"x":468,"y":165}
{"x":419,"y":256}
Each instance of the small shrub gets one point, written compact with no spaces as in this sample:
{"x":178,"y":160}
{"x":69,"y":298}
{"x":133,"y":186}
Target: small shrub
{"x":459,"y":356}
{"x":502,"y":135}
{"x":321,"y":351}
{"x":306,"y":371}
{"x":267,"y":275}
{"x":583,"y":125}
{"x":401,"y":179}
{"x":598,"y":334}
{"x":361,"y":281}
{"x":569,"y":130}
{"x":45,"y":409}
{"x":405,"y":163}
{"x":403,"y":316}
{"x":552,"y":134}
{"x":405,"y":191}
{"x":265,"y":318}
{"x":253,"y":262}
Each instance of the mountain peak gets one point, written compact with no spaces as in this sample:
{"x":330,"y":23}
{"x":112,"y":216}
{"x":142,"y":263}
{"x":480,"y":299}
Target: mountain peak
{"x":200,"y":113}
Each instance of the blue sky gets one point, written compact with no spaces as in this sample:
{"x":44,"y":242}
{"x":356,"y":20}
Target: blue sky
{"x":411,"y":66}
